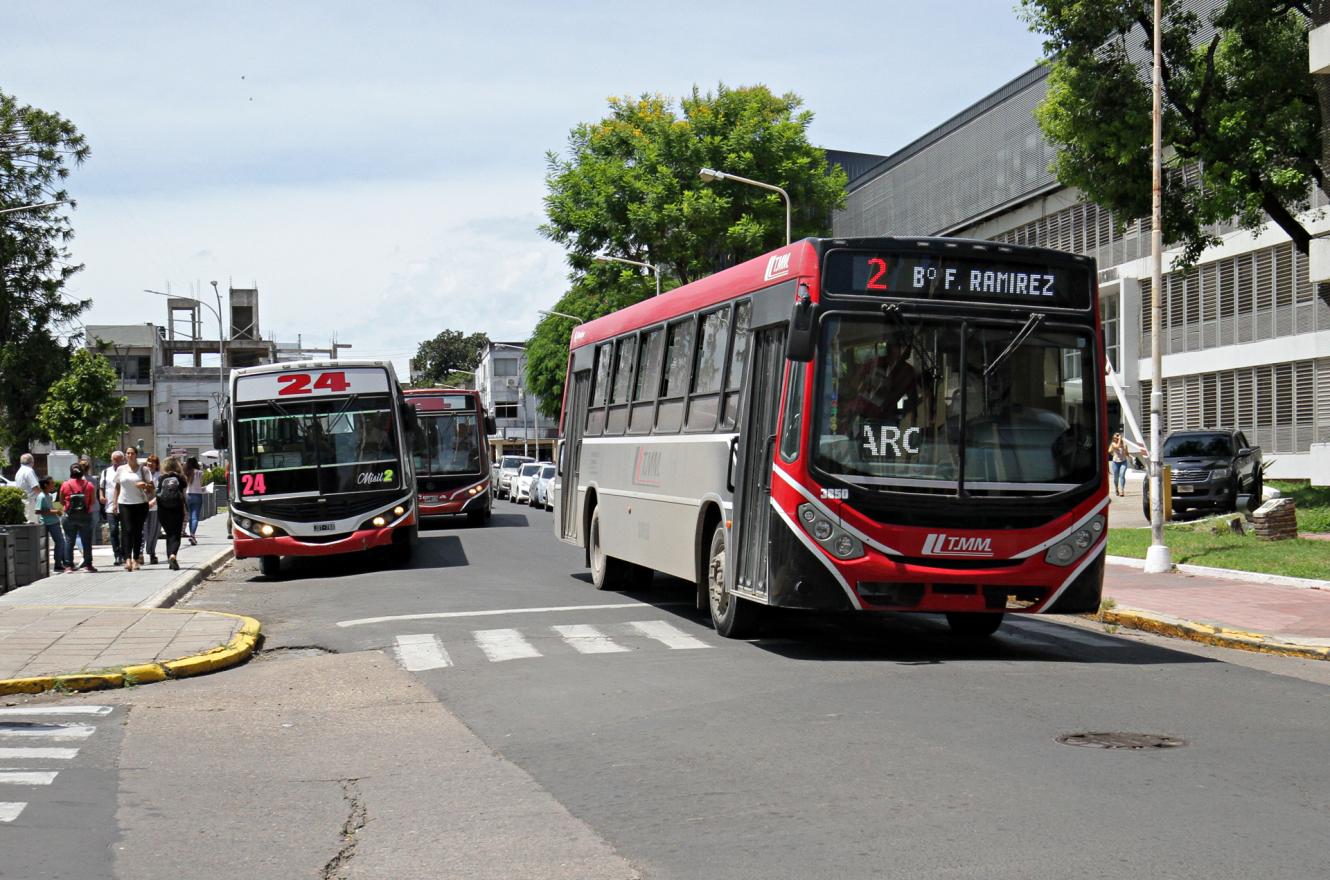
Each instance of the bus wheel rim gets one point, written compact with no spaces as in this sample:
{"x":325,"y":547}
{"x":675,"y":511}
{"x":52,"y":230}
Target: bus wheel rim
{"x":716,"y":583}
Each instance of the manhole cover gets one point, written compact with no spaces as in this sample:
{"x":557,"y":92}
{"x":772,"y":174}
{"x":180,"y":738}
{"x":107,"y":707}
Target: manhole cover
{"x":1135,"y":741}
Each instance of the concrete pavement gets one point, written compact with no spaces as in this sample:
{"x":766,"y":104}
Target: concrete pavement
{"x":108,"y":628}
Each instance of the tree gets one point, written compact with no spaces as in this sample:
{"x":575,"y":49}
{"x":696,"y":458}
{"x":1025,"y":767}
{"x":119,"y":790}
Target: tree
{"x":1242,"y":117}
{"x":629,"y":187}
{"x":438,"y":359}
{"x":82,"y":412}
{"x":36,"y":150}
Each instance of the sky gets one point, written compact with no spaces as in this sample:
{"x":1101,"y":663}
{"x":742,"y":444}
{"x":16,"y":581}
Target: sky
{"x":377,"y":170}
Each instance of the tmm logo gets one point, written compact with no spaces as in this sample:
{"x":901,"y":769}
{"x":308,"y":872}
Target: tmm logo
{"x":778,"y":267}
{"x":942,"y":544}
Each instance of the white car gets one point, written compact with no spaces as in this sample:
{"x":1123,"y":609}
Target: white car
{"x":521,"y":484}
{"x":506,"y":472}
{"x":542,"y":488}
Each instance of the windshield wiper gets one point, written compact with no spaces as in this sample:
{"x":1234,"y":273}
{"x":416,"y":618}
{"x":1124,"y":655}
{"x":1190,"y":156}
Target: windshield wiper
{"x":1031,"y":324}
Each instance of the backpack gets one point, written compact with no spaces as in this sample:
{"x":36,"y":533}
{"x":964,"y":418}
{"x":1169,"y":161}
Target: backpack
{"x":77,"y":505}
{"x":170,"y":491}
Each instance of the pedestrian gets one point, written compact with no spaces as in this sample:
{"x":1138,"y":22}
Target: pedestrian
{"x":1117,"y":454}
{"x":80,"y":497}
{"x":194,"y":496}
{"x":49,"y":509}
{"x":150,"y":527}
{"x":171,"y":488}
{"x":26,"y":479}
{"x":95,"y":512}
{"x":128,"y":499}
{"x":105,"y":487}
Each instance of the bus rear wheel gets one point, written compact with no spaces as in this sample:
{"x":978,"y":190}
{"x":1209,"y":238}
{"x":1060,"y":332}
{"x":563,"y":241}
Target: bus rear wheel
{"x":270,"y":566}
{"x":607,"y":573}
{"x":732,"y":616}
{"x":974,"y":624}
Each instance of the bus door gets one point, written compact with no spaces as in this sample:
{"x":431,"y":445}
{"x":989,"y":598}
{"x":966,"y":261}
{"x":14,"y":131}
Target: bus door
{"x":748,"y":544}
{"x":570,"y":465}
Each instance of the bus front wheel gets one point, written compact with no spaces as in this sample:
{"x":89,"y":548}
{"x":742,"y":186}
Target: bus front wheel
{"x":734,"y":617}
{"x":270,"y":566}
{"x":974,"y":624}
{"x":606,"y":571}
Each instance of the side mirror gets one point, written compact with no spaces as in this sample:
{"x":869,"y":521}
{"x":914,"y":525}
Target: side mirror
{"x":409,"y":422}
{"x":219,"y":439}
{"x":1245,"y":451}
{"x":491,"y":427}
{"x":558,"y":459}
{"x":801,"y":342}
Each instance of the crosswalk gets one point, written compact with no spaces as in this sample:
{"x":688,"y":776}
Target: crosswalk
{"x":418,"y":652}
{"x":26,"y":761}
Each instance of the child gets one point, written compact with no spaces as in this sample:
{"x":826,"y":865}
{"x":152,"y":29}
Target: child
{"x":49,"y":509}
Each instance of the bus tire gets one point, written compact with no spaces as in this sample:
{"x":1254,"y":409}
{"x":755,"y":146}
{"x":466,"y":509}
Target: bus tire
{"x":477,"y":517}
{"x":973,"y":624}
{"x":607,"y":573}
{"x":270,"y":566}
{"x":404,"y":544}
{"x":733,"y":616}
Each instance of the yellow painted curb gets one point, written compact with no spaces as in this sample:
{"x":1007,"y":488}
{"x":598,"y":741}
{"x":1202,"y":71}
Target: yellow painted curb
{"x":1216,"y":636}
{"x":238,"y":650}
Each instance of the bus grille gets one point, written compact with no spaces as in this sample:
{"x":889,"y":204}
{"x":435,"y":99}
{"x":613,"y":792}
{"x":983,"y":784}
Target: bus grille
{"x":318,"y":509}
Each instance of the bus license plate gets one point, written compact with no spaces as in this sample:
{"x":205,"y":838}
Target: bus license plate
{"x":325,"y":527}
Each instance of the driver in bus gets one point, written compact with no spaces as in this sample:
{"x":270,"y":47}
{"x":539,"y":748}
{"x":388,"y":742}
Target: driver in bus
{"x":878,"y":388}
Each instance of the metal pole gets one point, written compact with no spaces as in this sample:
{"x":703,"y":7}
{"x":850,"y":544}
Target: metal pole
{"x":221,"y":352}
{"x":1157,"y":558}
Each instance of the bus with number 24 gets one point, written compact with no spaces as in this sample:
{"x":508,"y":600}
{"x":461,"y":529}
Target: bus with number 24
{"x":892,"y":424}
{"x":321,"y":461}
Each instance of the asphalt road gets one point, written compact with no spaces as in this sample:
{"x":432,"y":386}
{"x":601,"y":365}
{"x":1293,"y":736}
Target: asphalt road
{"x":486,"y":712}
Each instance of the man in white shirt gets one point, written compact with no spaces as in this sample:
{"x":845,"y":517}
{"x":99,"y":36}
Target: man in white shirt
{"x":26,"y":479}
{"x":104,"y":493}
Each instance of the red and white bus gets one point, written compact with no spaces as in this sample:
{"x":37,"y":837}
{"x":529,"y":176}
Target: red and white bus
{"x":321,"y":461}
{"x":865,"y":424}
{"x":451,"y":453}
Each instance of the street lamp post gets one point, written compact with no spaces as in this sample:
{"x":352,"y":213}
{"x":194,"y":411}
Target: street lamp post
{"x":1157,"y":557}
{"x":655,"y":270}
{"x":711,"y":174}
{"x":221,"y":338}
{"x":34,"y":207}
{"x":561,"y":315}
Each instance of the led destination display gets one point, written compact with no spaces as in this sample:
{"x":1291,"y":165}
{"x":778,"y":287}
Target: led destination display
{"x":961,"y":278}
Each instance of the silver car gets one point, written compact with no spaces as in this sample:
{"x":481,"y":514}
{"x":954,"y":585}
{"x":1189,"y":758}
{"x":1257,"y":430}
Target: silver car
{"x":542,"y":488}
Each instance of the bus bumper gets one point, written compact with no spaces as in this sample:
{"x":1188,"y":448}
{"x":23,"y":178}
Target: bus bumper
{"x":449,"y":508}
{"x":285,"y":545}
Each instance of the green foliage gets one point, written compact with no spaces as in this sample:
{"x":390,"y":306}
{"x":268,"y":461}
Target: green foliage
{"x":1312,"y":503}
{"x":36,"y":150}
{"x":1240,"y":113}
{"x":437,"y":359}
{"x":11,"y":506}
{"x":82,"y":412}
{"x":1297,"y":557}
{"x":216,"y":476}
{"x":629,"y":187}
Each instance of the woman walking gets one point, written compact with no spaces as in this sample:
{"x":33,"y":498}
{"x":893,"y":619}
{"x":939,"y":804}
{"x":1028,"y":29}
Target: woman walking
{"x":150,"y":527}
{"x":1117,"y":453}
{"x":171,"y":487}
{"x":194,"y":496}
{"x":128,"y":499}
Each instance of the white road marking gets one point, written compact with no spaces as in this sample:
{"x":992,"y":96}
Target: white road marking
{"x":47,"y":730}
{"x":1071,"y":634}
{"x":667,"y":635}
{"x":504,"y":644}
{"x":44,"y":754}
{"x":9,"y":811}
{"x":442,"y":615}
{"x":55,"y":710}
{"x":27,"y":777}
{"x":588,"y":640}
{"x":417,"y":653}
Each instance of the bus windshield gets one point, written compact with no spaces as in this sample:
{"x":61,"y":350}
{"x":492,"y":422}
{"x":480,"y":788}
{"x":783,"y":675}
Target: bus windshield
{"x":926,"y":406}
{"x":447,"y":444}
{"x":326,"y":445}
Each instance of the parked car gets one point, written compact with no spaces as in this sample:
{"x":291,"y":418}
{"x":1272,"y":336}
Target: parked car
{"x":1211,"y":469}
{"x":542,"y":490}
{"x":519,"y":488}
{"x":507,"y":469}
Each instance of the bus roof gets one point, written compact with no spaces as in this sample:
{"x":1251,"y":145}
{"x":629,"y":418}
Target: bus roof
{"x":303,"y":366}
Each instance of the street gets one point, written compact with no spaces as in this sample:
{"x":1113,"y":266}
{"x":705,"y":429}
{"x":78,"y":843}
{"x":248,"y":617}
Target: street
{"x":459,"y":718}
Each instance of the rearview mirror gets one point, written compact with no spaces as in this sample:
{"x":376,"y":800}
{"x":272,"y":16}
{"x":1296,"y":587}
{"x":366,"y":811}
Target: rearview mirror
{"x":219,"y":440}
{"x":799,"y":345}
{"x":491,"y":427}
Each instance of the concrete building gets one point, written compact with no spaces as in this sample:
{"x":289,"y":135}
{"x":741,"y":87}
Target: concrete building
{"x":135,"y":354}
{"x":1246,"y":334}
{"x":501,"y":381}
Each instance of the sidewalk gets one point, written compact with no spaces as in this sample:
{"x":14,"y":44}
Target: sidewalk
{"x":107,"y":628}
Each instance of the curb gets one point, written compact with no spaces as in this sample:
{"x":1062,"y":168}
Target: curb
{"x":237,"y":651}
{"x":176,"y":590}
{"x":1230,"y":574}
{"x":1217,"y":636}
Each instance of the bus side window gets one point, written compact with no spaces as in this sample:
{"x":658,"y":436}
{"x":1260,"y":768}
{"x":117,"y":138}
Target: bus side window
{"x":595,"y":417}
{"x":648,"y":380}
{"x":734,"y":375}
{"x":617,"y":418}
{"x":708,"y":369}
{"x":792,"y":421}
{"x":678,"y":360}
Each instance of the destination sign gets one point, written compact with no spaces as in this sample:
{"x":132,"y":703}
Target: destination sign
{"x":442,"y":403}
{"x":955,"y":277}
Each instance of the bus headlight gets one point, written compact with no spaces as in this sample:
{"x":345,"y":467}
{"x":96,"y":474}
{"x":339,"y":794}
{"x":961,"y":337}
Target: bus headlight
{"x":832,"y":537}
{"x":266,"y":530}
{"x":379,"y":522}
{"x":1073,"y":547}
{"x":399,"y":510}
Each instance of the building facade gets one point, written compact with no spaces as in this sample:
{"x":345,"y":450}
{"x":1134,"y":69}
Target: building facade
{"x":1246,"y":334}
{"x":501,"y":381}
